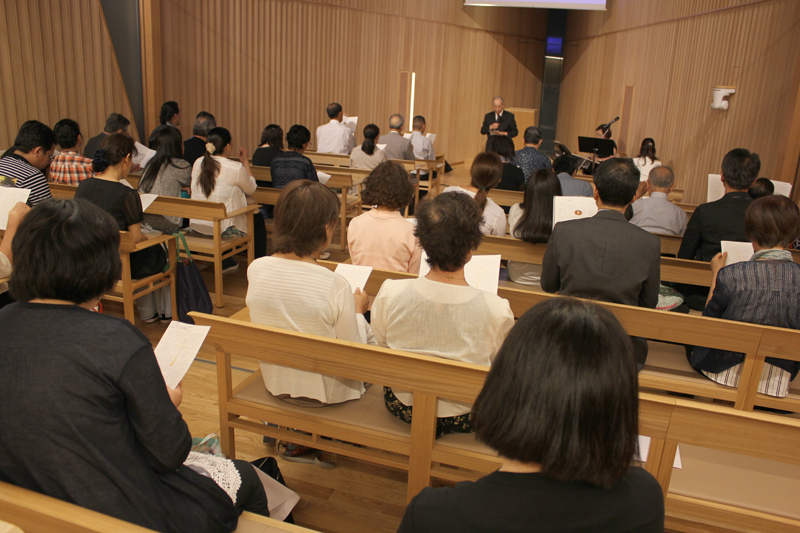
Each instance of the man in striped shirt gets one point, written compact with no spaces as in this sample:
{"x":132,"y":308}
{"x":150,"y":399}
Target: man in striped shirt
{"x":30,"y":154}
{"x":69,"y":167}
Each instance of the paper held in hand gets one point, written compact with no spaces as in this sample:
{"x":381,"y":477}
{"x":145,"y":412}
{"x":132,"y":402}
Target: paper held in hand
{"x":356,"y":275}
{"x":322,"y":177}
{"x":481,"y":272}
{"x":9,"y":196}
{"x":143,"y":155}
{"x":177,"y":349}
{"x":737,"y":251}
{"x":350,"y":122}
{"x":782,"y":188}
{"x":716,"y":189}
{"x":572,"y":208}
{"x":381,"y":147}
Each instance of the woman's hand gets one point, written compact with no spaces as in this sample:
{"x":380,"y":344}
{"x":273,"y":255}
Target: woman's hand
{"x":176,"y":394}
{"x":362,"y":301}
{"x":242,"y":153}
{"x":718,"y":261}
{"x":16,"y":215}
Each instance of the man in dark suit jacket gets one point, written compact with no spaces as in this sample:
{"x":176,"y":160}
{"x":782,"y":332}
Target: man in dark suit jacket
{"x":195,"y":146}
{"x":605,"y":256}
{"x":722,"y":220}
{"x":498,"y":122}
{"x":115,"y":123}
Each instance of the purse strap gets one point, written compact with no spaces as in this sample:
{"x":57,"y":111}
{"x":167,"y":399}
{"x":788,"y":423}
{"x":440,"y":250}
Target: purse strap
{"x":181,"y":238}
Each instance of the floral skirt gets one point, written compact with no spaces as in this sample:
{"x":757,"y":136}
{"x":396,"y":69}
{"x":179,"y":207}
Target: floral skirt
{"x":444,"y":426}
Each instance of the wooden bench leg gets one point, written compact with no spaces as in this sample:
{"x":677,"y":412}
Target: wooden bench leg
{"x":127,"y":289}
{"x":173,"y":264}
{"x":668,"y":451}
{"x":343,"y":232}
{"x":227,"y":436}
{"x":423,"y":435}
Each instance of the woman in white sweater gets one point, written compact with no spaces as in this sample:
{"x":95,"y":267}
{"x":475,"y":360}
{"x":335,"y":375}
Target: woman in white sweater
{"x":440,"y":314}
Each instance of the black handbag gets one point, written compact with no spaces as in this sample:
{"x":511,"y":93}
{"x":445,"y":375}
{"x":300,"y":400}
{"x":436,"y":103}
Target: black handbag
{"x":190,"y":289}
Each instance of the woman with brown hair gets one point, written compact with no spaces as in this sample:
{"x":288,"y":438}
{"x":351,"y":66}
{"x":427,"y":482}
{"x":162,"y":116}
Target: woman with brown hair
{"x":381,"y":237}
{"x":486,"y":172}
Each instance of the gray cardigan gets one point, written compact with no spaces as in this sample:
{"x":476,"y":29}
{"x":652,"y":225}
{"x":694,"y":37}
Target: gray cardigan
{"x":169,"y":182}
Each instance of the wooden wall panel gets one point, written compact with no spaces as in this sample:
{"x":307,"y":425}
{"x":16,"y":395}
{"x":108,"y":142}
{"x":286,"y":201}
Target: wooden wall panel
{"x":674,"y":52}
{"x":57,"y":61}
{"x":254,"y":62}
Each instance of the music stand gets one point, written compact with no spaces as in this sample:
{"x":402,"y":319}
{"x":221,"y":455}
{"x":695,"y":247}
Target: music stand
{"x":598,"y":147}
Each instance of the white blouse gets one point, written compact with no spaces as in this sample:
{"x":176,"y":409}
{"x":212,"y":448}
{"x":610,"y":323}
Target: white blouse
{"x":645,"y":165}
{"x":232,"y":185}
{"x":494,"y":218}
{"x":305,"y":297}
{"x":450,"y":321}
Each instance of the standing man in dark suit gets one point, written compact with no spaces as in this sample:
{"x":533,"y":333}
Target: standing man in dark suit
{"x":195,"y":146}
{"x":606,"y":256}
{"x":498,"y":122}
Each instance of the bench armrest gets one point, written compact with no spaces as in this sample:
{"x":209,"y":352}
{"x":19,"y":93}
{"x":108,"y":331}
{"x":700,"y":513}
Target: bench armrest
{"x":249,"y":209}
{"x":159,"y":239}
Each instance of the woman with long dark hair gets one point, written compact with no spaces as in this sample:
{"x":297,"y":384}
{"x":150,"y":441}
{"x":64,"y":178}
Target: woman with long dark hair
{"x":486,"y":173}
{"x":368,"y":155}
{"x":217,"y":178}
{"x":166,"y":174}
{"x":532,"y":221}
{"x":646,"y":160}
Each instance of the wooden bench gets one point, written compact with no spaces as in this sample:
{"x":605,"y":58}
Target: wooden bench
{"x":364,"y":429}
{"x":667,"y":368}
{"x":382,"y":439}
{"x":128,"y":289}
{"x":340,"y":179}
{"x":36,"y":513}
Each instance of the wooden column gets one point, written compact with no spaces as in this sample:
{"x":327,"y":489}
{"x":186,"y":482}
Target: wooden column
{"x":150,"y":27}
{"x":790,"y":167}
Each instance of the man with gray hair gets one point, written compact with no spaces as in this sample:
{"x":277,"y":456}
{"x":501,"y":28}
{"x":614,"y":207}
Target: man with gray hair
{"x":657,"y":214}
{"x":529,"y":158}
{"x":195,"y":146}
{"x":498,"y":122}
{"x":397,"y":146}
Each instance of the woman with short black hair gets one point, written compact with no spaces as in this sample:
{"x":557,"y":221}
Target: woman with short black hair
{"x":270,"y":146}
{"x":292,"y":165}
{"x":92,"y":385}
{"x":439,"y":314}
{"x":290,"y":290}
{"x":381,"y":237}
{"x":112,"y":162}
{"x":560,"y":407}
{"x":764,"y":290}
{"x":513,"y":177}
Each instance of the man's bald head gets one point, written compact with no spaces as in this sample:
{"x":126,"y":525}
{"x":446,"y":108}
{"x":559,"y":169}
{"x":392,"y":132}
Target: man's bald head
{"x":661,"y":179}
{"x":498,"y":104}
{"x":396,"y":122}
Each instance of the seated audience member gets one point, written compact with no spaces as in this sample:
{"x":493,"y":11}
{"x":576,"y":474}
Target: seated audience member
{"x":271,"y":145}
{"x":722,"y":220}
{"x":381,"y":237}
{"x":92,"y":381}
{"x":397,"y":146}
{"x":368,"y":155}
{"x":170,"y":115}
{"x":486,"y":172}
{"x":513,"y":178}
{"x":292,"y":165}
{"x":657,"y":214}
{"x":217,"y":178}
{"x":27,"y":159}
{"x":195,"y":146}
{"x":646,"y":160}
{"x":422,"y":146}
{"x":112,"y":163}
{"x":529,"y":158}
{"x":761,"y":187}
{"x":290,"y":290}
{"x":532,"y":221}
{"x":69,"y":167}
{"x":166,"y":174}
{"x":440,"y":314}
{"x":565,"y":167}
{"x":15,"y":216}
{"x":560,"y":407}
{"x":115,"y":123}
{"x":605,"y":255}
{"x":764,"y":290}
{"x":334,"y":137}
